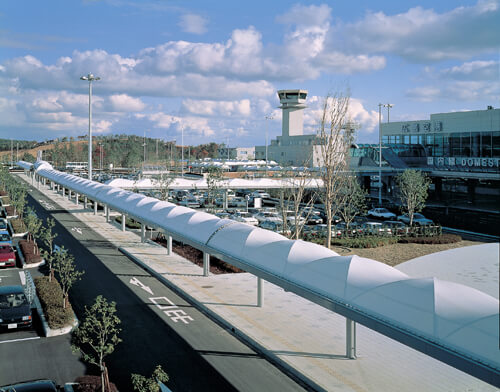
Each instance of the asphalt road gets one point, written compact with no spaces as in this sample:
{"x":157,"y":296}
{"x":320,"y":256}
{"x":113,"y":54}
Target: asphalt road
{"x":158,"y":327}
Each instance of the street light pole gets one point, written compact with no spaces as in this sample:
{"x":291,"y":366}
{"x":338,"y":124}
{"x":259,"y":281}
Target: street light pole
{"x":90,"y":78}
{"x":182,"y":152}
{"x":388,"y":106}
{"x":380,"y":153}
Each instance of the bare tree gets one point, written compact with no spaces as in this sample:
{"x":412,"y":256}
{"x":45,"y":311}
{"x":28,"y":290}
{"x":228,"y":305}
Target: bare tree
{"x":413,"y":186}
{"x":352,"y":200}
{"x":334,"y":140}
{"x":164,"y":182}
{"x":294,"y":205}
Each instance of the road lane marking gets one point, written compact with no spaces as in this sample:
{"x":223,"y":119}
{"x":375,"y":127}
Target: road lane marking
{"x":138,"y":283}
{"x":77,"y":229}
{"x":171,"y":310}
{"x":19,"y":340}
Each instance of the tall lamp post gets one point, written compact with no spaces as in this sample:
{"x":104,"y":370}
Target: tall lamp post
{"x":90,"y":78}
{"x":380,"y":106}
{"x":182,"y":151}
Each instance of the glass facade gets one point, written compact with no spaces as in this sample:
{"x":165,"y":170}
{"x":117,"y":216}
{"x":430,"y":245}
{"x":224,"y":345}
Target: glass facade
{"x":463,"y":144}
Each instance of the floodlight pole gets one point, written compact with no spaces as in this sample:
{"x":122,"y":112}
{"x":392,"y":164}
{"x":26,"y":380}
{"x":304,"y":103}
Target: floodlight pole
{"x":90,"y":78}
{"x":380,"y":153}
{"x":388,"y":106}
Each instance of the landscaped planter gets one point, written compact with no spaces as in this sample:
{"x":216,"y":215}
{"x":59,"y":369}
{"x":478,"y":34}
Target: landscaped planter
{"x":17,"y":228}
{"x":27,"y":255}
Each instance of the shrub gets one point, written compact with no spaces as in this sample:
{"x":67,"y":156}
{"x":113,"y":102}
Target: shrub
{"x":51,"y":298}
{"x":30,"y":251}
{"x":18,"y":225}
{"x":365,"y":242}
{"x":129,"y":223}
{"x":91,"y":384}
{"x":439,"y":239}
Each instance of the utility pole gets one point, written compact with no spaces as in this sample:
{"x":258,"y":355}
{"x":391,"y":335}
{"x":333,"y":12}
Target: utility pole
{"x":11,"y":151}
{"x":17,"y":152}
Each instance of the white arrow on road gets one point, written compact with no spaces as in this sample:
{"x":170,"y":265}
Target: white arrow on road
{"x":138,"y":283}
{"x":77,"y":229}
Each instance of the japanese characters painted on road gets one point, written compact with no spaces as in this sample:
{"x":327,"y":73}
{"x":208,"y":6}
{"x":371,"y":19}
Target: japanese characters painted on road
{"x":171,"y":310}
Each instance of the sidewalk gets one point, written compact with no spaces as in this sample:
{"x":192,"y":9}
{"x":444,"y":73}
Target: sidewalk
{"x":305,"y":337}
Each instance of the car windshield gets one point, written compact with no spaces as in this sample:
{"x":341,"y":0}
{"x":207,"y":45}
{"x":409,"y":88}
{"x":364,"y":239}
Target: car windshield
{"x":245,"y":215}
{"x":4,"y":237}
{"x":5,"y":249}
{"x":3,"y":225}
{"x":418,"y":216}
{"x":12,"y":300}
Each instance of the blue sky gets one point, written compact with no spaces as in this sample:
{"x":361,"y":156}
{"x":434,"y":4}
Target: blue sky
{"x":212,"y":68}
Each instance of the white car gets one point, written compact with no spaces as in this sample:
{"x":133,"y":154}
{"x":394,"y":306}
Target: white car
{"x":290,"y":217}
{"x":190,"y":202}
{"x":268,"y":216}
{"x":418,"y":219}
{"x":237,"y":202}
{"x":245,"y":217}
{"x":381,"y":213}
{"x":260,"y":193}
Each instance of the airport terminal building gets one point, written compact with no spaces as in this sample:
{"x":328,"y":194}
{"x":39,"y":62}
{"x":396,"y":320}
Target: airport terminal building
{"x":460,"y":151}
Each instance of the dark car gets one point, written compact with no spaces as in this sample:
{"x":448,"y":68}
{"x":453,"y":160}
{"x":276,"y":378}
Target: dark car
{"x":15,"y":310}
{"x":31,"y":386}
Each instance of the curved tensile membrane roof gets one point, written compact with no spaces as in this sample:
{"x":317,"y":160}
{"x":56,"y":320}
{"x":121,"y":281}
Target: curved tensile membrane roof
{"x":458,"y":318}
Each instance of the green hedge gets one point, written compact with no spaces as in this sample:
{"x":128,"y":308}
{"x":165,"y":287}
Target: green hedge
{"x":365,"y":242}
{"x":439,"y":239}
{"x":51,"y":298}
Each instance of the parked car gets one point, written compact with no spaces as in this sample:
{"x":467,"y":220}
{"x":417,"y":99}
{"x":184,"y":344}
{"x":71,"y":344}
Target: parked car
{"x":375,"y":228}
{"x":3,"y":224}
{"x":5,"y":238}
{"x":291,"y":219}
{"x":381,"y":213}
{"x":354,"y":229}
{"x":223,"y":215}
{"x":190,"y":202}
{"x":312,"y":216}
{"x":260,"y":193}
{"x":335,"y":218}
{"x":268,"y":216}
{"x":397,"y":227}
{"x":418,"y":219}
{"x":15,"y":310}
{"x":7,"y":256}
{"x":274,"y":226}
{"x":245,"y":217}
{"x":32,"y":386}
{"x":237,"y":202}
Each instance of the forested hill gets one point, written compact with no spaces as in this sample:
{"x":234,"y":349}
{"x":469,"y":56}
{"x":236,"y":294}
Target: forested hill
{"x":119,"y":150}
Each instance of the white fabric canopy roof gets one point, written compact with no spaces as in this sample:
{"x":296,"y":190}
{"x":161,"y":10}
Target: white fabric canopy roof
{"x":455,"y":316}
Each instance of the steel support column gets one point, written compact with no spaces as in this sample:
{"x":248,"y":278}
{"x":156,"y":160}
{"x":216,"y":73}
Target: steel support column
{"x":169,"y":245}
{"x":95,"y":207}
{"x":85,"y":202}
{"x":124,"y":220}
{"x":206,"y":263}
{"x":106,"y":209}
{"x":260,"y":292}
{"x":143,"y":232}
{"x":350,"y":339}
{"x":77,"y":196}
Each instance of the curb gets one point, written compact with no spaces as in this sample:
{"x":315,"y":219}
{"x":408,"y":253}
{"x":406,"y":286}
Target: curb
{"x":259,"y":348}
{"x":23,"y":262}
{"x":49,"y":332}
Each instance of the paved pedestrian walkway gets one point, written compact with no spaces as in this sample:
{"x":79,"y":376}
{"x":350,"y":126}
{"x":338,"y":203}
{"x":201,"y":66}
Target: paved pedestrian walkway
{"x":305,"y":337}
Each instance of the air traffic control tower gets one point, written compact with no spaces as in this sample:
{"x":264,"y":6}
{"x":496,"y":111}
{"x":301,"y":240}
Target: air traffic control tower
{"x":293,"y":102}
